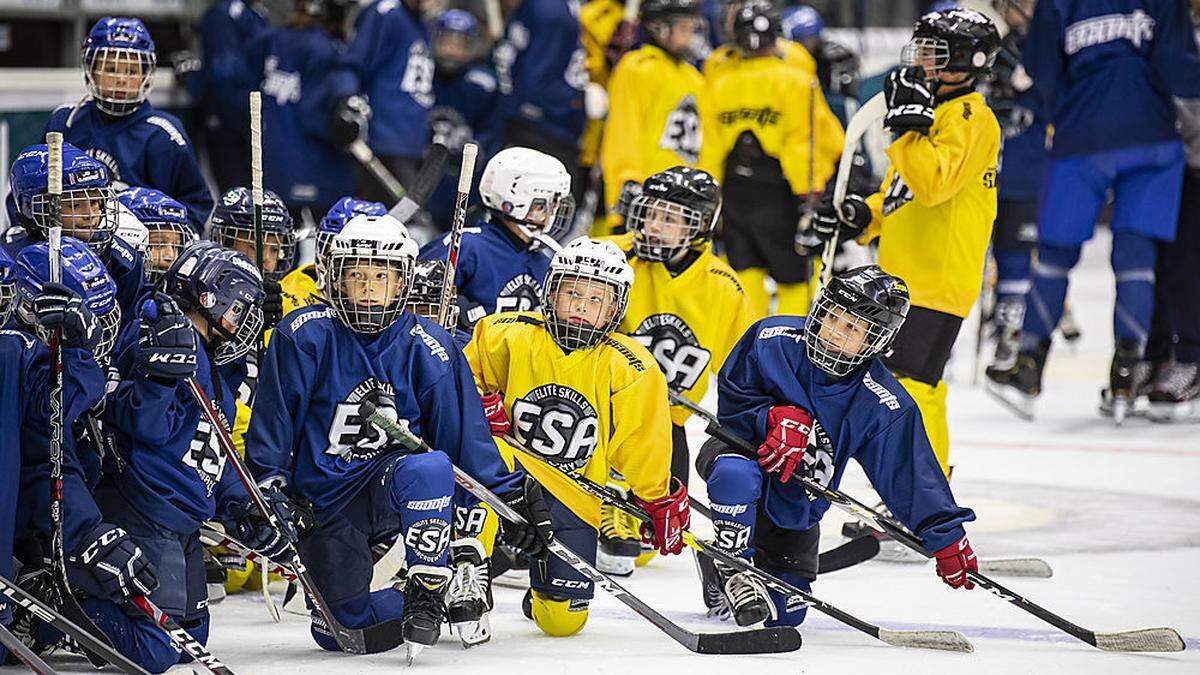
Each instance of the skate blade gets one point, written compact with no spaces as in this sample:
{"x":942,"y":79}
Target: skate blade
{"x":1120,"y":410}
{"x":1174,"y":413}
{"x":1017,"y":403}
{"x":472,"y":633}
{"x":412,"y":649}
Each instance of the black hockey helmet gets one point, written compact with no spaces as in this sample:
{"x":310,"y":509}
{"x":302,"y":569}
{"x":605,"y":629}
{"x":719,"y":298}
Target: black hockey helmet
{"x":756,"y":25}
{"x":425,"y":292}
{"x":225,"y":288}
{"x":677,"y":209}
{"x":855,"y":318}
{"x":956,"y":40}
{"x":655,"y":10}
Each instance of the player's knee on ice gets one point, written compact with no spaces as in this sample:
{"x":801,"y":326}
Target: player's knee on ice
{"x":365,"y":609}
{"x":557,"y":617}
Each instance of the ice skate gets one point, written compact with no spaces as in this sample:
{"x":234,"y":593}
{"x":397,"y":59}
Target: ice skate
{"x":746,"y":597}
{"x":1018,"y":388}
{"x":1174,"y":393}
{"x":424,"y":607}
{"x":619,"y":544}
{"x":469,"y":596}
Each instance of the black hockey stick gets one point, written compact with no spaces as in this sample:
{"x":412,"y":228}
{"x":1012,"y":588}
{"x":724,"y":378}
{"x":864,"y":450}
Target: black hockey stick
{"x":941,"y":640}
{"x":760,"y":641}
{"x":180,"y":637}
{"x":423,"y":185}
{"x":372,"y":639}
{"x":1142,"y":640}
{"x":82,"y":637}
{"x":24,"y":654}
{"x":362,"y":152}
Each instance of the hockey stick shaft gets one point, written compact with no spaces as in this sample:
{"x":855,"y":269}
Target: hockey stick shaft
{"x":256,"y":199}
{"x":764,"y":641}
{"x":216,"y":538}
{"x":1149,"y":639}
{"x":180,"y":637}
{"x":84,"y":638}
{"x":365,"y":156}
{"x":871,"y":112}
{"x":424,"y":184}
{"x":466,"y":174}
{"x":24,"y":654}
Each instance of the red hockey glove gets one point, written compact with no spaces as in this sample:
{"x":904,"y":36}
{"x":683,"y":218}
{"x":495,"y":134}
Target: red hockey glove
{"x":669,"y":517}
{"x":493,"y":407}
{"x":787,"y":440}
{"x":953,"y":563}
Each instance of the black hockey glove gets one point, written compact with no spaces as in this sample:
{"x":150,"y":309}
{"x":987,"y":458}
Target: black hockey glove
{"x":909,"y":101}
{"x":272,"y":307}
{"x":349,"y":122}
{"x":166,"y":340}
{"x":469,"y":312}
{"x":253,"y":529}
{"x":854,"y":218}
{"x":60,"y":307}
{"x":115,"y":562}
{"x":532,"y":536}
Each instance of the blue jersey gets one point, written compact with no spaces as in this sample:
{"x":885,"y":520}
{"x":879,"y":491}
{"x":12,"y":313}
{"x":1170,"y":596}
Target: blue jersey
{"x":496,"y":271}
{"x":540,"y":67}
{"x":174,"y":467}
{"x":304,"y":72}
{"x":1023,"y":123}
{"x":146,"y":148}
{"x":390,"y":51}
{"x":316,"y":373}
{"x":464,"y":110}
{"x":221,"y":85}
{"x":867,"y":416}
{"x":1108,"y":70}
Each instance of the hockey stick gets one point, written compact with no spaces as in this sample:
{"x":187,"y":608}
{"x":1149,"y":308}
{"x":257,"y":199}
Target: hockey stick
{"x":760,"y":641}
{"x":425,"y":182}
{"x":180,"y":637}
{"x":495,"y":20}
{"x":466,"y":174}
{"x":362,"y":152}
{"x":940,"y":640}
{"x":540,"y":237}
{"x":256,"y":198}
{"x":212,"y":537}
{"x":1142,"y":640}
{"x":84,"y":638}
{"x":372,"y":639}
{"x":24,"y":654}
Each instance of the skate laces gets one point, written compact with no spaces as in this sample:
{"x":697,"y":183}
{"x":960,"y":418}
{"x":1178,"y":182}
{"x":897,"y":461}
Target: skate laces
{"x":616,"y":524}
{"x":743,"y":589}
{"x":466,"y":585}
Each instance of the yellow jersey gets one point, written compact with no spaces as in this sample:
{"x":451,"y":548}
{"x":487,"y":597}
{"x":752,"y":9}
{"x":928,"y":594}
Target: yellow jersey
{"x":598,"y":20}
{"x":770,"y":97}
{"x":934,"y":212}
{"x":793,"y":54}
{"x":688,"y":321}
{"x":588,"y":411}
{"x":658,"y":117}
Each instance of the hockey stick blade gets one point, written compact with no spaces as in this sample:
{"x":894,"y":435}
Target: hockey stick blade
{"x":943,"y":640}
{"x":1033,"y":568}
{"x":1144,"y":640}
{"x":849,"y":554}
{"x":24,"y":654}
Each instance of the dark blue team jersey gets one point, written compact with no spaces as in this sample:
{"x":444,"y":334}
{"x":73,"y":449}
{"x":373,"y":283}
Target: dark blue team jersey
{"x":390,"y":51}
{"x":316,"y":373}
{"x":1108,"y":70}
{"x":464,"y":110}
{"x":222,"y":84}
{"x":147,"y":148}
{"x":867,"y":416}
{"x":1023,"y":123}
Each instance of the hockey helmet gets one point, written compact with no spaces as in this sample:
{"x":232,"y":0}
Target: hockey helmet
{"x":425,"y":296}
{"x":801,"y":23}
{"x":6,"y":286}
{"x":756,"y":25}
{"x":529,"y":187}
{"x":368,"y":272}
{"x":677,"y":209}
{"x":225,"y":288}
{"x":232,"y":226}
{"x":956,"y":40}
{"x":118,"y":59}
{"x":586,"y":292}
{"x":87,"y":207}
{"x":855,"y":318}
{"x":168,"y":230}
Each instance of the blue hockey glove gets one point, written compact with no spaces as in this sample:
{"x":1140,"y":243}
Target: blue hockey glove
{"x":166,"y":340}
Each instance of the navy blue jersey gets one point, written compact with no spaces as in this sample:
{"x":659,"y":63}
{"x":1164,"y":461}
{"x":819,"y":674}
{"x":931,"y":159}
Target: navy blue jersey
{"x":174,"y":467}
{"x":495,"y":270}
{"x":146,"y":148}
{"x":1023,"y":124}
{"x":540,"y":66}
{"x":304,"y":72}
{"x":315,"y":375}
{"x":1109,"y":68}
{"x":221,"y":85}
{"x":390,"y":51}
{"x":464,"y":110}
{"x":867,"y":416}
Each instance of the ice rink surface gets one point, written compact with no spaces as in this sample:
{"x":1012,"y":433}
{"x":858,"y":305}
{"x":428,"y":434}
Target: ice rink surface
{"x":1116,"y":513}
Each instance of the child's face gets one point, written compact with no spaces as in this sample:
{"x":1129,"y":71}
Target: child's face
{"x":118,"y":76}
{"x":844,"y":333}
{"x":163,"y":247}
{"x":585,"y":302}
{"x":665,"y":228}
{"x":82,"y":215}
{"x":452,"y":48}
{"x":371,"y":284}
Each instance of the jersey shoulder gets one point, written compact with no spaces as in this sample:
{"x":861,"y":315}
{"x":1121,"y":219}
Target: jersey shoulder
{"x":308,"y":325}
{"x":777,"y":339}
{"x":720,"y":272}
{"x":165,"y":125}
{"x":627,"y":356}
{"x":622,"y":241}
{"x":720,"y":57}
{"x":970,"y":110}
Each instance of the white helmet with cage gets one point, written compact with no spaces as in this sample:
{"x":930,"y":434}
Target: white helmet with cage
{"x":368,"y":270}
{"x":530,"y":187}
{"x":585,"y":294}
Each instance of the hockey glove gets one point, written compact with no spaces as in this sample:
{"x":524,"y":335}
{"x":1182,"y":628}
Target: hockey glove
{"x":493,"y":407}
{"x":909,"y":101}
{"x":272,"y":307}
{"x":166,"y":340}
{"x":953,"y":563}
{"x":116,"y":563}
{"x":623,"y":38}
{"x":349,"y":122}
{"x":254,"y":530}
{"x":669,"y":517}
{"x":469,"y":312}
{"x":854,"y":218}
{"x":787,"y":441}
{"x":532,"y":536}
{"x":60,"y":307}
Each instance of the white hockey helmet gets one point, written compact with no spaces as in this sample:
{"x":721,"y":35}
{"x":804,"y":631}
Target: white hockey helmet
{"x":132,"y":230}
{"x":530,"y":187}
{"x":585,"y":294}
{"x":368,"y":271}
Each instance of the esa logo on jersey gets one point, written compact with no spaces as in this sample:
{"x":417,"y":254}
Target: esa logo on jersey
{"x":352,"y":437}
{"x":418,"y":74}
{"x":676,"y":349}
{"x":898,"y":194}
{"x":428,"y":538}
{"x":204,"y":457}
{"x":818,"y":459}
{"x":280,"y":84}
{"x":558,"y":423}
{"x":681,"y":133}
{"x":732,"y":536}
{"x":522,"y":293}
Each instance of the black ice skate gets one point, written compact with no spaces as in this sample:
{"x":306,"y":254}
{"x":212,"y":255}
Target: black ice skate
{"x":424,"y":607}
{"x":1018,"y":388}
{"x":469,"y":596}
{"x":711,"y":586}
{"x":1125,"y":377}
{"x":747,"y":597}
{"x":1174,"y":394}
{"x":1007,"y":319}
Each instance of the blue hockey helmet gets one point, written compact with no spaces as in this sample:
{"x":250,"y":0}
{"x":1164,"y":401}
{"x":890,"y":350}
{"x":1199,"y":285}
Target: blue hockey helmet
{"x":6,"y":286}
{"x":801,"y":23}
{"x":166,"y":223}
{"x":457,"y":21}
{"x":118,"y":60}
{"x":82,"y":272}
{"x":225,"y":288}
{"x":854,"y":318}
{"x":232,"y":226}
{"x":340,"y":214}
{"x":455,"y":34}
{"x":88,"y":208}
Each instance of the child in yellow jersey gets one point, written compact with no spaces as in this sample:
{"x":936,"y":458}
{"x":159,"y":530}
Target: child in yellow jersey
{"x":779,"y":143}
{"x":659,"y":114}
{"x":587,"y":399}
{"x":934,"y":212}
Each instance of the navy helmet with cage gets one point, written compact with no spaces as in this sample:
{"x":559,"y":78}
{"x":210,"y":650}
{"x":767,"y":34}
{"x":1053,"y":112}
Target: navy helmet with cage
{"x":855,"y":318}
{"x":166,"y":221}
{"x":425,"y":294}
{"x":118,"y":59}
{"x":232,"y":226}
{"x":87,"y":206}
{"x":225,"y":288}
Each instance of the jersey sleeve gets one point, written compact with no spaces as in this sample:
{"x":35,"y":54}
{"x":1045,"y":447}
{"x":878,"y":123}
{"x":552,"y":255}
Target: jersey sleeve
{"x":1042,"y":53}
{"x":737,"y":321}
{"x":149,"y":411}
{"x":936,"y":169}
{"x":622,"y":142}
{"x":743,"y":399}
{"x":285,"y":381}
{"x":640,"y":445}
{"x":487,"y":358}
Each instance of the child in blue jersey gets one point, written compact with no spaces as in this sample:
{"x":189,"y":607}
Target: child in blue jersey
{"x":167,"y":229}
{"x":811,"y":393}
{"x":309,"y":443}
{"x":139,"y":144}
{"x":501,"y":264}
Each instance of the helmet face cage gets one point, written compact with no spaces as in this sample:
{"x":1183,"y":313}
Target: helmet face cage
{"x":367,"y":291}
{"x":164,"y":243}
{"x":840,"y":339}
{"x":581,"y":309}
{"x":929,"y":53}
{"x":118,"y":78}
{"x":87,"y":214}
{"x":279,"y":247}
{"x":662,"y":228}
{"x":8,"y":296}
{"x":109,"y":321}
{"x":247,"y":320}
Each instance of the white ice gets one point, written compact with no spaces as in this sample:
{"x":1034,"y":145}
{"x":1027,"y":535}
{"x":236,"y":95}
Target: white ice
{"x":1115,"y":511}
